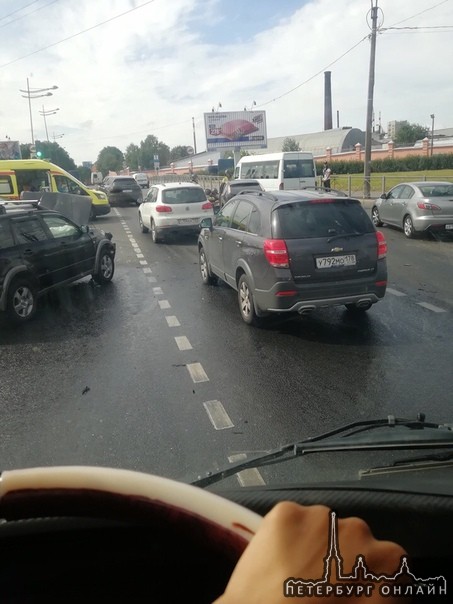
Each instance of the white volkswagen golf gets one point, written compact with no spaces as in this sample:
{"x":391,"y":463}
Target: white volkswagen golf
{"x":173,"y":208}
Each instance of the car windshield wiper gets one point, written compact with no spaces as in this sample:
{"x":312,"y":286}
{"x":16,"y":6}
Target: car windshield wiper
{"x":401,"y":434}
{"x":354,"y":234}
{"x":433,"y":460}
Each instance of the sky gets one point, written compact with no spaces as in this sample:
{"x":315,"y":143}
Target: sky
{"x":129,"y":68}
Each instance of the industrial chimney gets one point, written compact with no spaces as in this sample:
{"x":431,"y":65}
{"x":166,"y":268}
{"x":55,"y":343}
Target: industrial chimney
{"x":327,"y":101}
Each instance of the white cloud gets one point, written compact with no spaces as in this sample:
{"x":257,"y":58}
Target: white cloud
{"x":150,"y":71}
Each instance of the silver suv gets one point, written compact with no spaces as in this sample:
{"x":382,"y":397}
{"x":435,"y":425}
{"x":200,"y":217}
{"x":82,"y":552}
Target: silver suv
{"x":293,"y":252}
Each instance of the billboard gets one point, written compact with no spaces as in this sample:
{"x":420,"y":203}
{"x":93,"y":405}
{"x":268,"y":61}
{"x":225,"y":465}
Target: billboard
{"x":10,"y":150}
{"x":235,"y":129}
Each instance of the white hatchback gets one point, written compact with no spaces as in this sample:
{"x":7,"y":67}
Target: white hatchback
{"x":173,"y":208}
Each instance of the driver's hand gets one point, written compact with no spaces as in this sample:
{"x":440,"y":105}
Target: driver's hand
{"x":292,"y":541}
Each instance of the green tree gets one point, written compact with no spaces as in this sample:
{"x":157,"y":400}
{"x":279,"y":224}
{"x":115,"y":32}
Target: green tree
{"x":150,"y":147}
{"x":132,"y":157}
{"x":178,"y":152}
{"x":51,"y":152}
{"x":408,"y":133}
{"x":290,"y":144}
{"x":110,"y":158}
{"x":84,"y":174}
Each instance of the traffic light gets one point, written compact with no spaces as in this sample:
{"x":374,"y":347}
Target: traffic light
{"x":39,"y":154}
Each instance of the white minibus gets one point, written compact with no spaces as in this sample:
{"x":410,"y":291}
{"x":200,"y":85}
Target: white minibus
{"x":286,"y":170}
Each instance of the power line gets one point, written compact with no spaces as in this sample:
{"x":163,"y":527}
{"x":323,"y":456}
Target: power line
{"x":421,"y":12}
{"x":313,"y":76}
{"x":28,"y":14}
{"x":84,"y":31}
{"x":18,"y":9}
{"x":418,"y":27}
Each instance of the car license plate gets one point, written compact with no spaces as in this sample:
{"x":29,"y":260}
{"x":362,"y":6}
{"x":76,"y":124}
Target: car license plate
{"x":332,"y":261}
{"x":187,"y":220}
{"x":449,"y":227}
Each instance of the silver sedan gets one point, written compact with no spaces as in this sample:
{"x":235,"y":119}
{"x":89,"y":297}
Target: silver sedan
{"x":416,"y":207}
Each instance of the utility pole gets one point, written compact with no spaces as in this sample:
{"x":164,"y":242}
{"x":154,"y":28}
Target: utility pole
{"x":369,"y":114}
{"x":194,"y":137}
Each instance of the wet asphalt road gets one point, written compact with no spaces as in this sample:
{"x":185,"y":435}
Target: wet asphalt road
{"x":109,"y":376}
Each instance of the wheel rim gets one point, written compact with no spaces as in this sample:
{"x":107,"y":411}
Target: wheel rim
{"x":140,"y":221}
{"x":245,"y":299}
{"x":408,"y":226}
{"x":375,"y":216}
{"x":23,"y":301}
{"x":153,"y":231}
{"x":106,"y":266}
{"x":203,"y":266}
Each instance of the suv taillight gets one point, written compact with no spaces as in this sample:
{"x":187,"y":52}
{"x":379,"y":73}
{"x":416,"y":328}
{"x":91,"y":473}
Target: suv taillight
{"x":276,"y":253}
{"x":163,"y":209}
{"x":207,"y":206}
{"x":382,"y":245}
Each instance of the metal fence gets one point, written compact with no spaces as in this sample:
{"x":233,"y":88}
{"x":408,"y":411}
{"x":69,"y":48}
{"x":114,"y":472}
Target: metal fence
{"x":351,"y":184}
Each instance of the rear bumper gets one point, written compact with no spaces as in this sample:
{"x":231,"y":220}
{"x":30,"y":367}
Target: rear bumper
{"x":332,"y":294}
{"x":425,"y":223}
{"x":123,"y":198}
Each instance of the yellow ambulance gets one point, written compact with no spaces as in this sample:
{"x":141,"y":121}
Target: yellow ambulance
{"x":19,"y":177}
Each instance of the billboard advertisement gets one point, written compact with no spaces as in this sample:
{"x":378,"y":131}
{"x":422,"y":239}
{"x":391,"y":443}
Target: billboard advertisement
{"x":235,"y":129}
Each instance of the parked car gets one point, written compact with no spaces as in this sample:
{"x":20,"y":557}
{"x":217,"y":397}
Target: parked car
{"x":293,"y":252}
{"x":174,"y":208}
{"x":141,"y":179}
{"x":41,"y":250}
{"x":122,"y":190}
{"x":416,"y":207}
{"x":234,"y":187}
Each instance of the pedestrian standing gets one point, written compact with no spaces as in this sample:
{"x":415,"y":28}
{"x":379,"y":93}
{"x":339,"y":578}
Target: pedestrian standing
{"x":326,"y":173}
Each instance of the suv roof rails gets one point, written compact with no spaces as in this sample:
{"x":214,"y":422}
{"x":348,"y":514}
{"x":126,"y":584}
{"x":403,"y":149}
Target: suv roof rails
{"x":259,"y":193}
{"x":19,"y":205}
{"x":325,"y":191}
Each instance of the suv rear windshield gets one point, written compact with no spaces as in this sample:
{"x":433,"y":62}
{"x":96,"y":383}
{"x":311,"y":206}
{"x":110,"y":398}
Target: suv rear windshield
{"x":124,"y":183}
{"x":184,"y":195}
{"x":321,"y":218}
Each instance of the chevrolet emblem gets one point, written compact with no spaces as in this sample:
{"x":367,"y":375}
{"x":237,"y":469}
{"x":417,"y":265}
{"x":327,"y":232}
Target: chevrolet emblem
{"x":336,"y":249}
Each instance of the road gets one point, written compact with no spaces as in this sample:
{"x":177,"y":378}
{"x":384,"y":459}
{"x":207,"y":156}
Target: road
{"x":157,"y":372}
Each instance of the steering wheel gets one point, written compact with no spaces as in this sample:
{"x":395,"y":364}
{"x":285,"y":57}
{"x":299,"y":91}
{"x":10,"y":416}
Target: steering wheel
{"x":184,"y":520}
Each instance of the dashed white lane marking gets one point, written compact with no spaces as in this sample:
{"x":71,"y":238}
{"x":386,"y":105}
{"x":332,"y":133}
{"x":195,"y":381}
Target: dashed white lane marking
{"x":197,"y":373}
{"x":183,"y":343}
{"x":172,"y":321}
{"x":218,"y":416}
{"x":431,"y":307}
{"x":143,"y":262}
{"x":140,"y":255}
{"x":146,"y":270}
{"x":158,"y":291}
{"x":132,"y":240}
{"x":164,"y":304}
{"x":152,"y":279}
{"x":247,"y":478}
{"x":394,"y":292}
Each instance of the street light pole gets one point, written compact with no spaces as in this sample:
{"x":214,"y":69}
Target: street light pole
{"x":432,"y":133}
{"x":46,"y":113}
{"x":35,"y":93}
{"x":369,"y":117}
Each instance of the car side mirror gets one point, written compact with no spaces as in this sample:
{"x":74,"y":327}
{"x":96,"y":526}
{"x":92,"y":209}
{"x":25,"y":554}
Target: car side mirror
{"x":85,"y":229}
{"x":206,"y":223}
{"x":383,"y":196}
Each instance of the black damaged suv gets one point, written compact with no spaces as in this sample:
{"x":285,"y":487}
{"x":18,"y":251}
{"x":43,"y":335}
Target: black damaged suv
{"x":294,"y":252}
{"x":41,"y":250}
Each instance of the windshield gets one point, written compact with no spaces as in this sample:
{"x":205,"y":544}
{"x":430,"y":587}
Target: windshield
{"x":152,"y":356}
